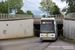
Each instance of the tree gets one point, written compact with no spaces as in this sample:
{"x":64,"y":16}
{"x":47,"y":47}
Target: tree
{"x":71,"y":7}
{"x":15,"y":4}
{"x":47,"y":6}
{"x":4,"y":7}
{"x":19,"y":11}
{"x":29,"y":13}
{"x":57,"y":10}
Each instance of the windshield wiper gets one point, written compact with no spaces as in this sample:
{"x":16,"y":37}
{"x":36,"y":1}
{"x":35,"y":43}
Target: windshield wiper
{"x":48,"y":32}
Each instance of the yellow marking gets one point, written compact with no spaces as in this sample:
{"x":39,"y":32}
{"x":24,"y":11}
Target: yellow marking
{"x":22,"y":18}
{"x":47,"y":35}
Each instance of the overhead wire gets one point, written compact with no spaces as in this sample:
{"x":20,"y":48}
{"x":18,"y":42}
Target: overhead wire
{"x":32,"y":3}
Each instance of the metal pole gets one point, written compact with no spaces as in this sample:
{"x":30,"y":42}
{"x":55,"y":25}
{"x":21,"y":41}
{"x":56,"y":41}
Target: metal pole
{"x":26,"y":9}
{"x":8,"y":9}
{"x":47,"y":13}
{"x":52,"y":12}
{"x":69,"y":9}
{"x":48,"y":8}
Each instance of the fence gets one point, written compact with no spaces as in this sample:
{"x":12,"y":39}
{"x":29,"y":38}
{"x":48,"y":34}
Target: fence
{"x":22,"y":16}
{"x":56,"y":16}
{"x":15,"y":16}
{"x":70,"y":16}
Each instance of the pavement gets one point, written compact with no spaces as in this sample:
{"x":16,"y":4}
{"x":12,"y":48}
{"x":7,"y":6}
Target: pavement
{"x":61,"y":45}
{"x":36,"y":44}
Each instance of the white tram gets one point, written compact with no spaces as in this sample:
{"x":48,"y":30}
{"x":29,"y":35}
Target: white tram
{"x":48,"y":29}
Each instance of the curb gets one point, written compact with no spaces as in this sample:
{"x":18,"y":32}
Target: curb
{"x":62,"y":38}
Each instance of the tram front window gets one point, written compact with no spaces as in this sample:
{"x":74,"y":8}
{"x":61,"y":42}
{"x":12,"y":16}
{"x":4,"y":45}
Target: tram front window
{"x":47,"y":27}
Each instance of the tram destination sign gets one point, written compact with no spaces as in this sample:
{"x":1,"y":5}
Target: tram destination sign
{"x":47,"y":22}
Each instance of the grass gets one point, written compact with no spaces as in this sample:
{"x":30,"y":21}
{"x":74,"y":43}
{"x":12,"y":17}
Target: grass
{"x":67,"y":39}
{"x":73,"y":40}
{"x":16,"y":38}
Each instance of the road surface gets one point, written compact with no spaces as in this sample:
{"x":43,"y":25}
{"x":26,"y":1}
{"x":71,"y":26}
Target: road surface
{"x":36,"y":44}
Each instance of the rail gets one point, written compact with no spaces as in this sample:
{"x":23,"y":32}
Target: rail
{"x":70,"y":16}
{"x":55,"y":16}
{"x":15,"y":16}
{"x":22,"y":16}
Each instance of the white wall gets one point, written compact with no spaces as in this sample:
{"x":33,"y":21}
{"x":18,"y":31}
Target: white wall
{"x":69,"y":28}
{"x":16,"y":28}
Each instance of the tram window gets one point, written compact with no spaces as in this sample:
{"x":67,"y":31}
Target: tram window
{"x":47,"y":26}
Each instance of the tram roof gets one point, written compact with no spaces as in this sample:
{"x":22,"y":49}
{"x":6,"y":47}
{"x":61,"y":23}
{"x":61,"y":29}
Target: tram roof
{"x":47,"y":18}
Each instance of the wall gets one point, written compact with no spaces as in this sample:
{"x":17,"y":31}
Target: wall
{"x":69,"y":28}
{"x":16,"y":28}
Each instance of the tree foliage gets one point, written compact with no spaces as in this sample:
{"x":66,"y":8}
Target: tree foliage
{"x":4,"y":7}
{"x":15,"y":4}
{"x":47,"y":6}
{"x":57,"y":10}
{"x":71,"y":4}
{"x":29,"y":13}
{"x":19,"y":11}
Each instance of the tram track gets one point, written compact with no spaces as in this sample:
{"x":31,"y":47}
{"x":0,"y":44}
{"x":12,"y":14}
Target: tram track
{"x":46,"y":46}
{"x":35,"y":46}
{"x":40,"y":45}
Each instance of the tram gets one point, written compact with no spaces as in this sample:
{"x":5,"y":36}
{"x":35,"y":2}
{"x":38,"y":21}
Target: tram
{"x":48,"y":29}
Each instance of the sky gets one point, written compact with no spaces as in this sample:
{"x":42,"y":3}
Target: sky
{"x":34,"y":6}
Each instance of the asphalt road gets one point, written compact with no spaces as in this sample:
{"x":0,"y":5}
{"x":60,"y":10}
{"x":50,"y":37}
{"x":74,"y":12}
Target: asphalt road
{"x":36,"y":44}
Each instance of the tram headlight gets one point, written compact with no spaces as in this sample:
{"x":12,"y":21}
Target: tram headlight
{"x":41,"y":35}
{"x":52,"y":35}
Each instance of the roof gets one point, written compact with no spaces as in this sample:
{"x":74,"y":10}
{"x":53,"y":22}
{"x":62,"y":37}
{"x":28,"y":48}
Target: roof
{"x":47,"y":18}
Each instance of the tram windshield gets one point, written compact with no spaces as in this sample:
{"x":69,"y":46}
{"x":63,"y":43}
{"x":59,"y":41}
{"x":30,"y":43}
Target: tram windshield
{"x":47,"y":26}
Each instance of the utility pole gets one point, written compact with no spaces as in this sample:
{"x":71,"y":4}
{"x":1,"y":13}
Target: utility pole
{"x":47,"y":13}
{"x":47,"y":1}
{"x":26,"y":9}
{"x":47,"y":7}
{"x":8,"y":9}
